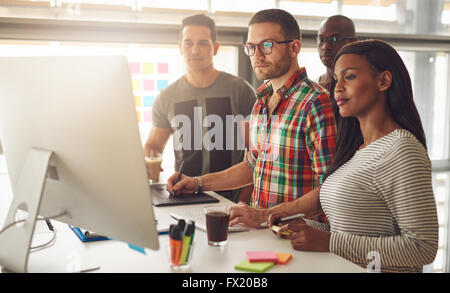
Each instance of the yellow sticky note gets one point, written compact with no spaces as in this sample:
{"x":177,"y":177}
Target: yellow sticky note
{"x":277,"y":228}
{"x":136,"y":84}
{"x":148,"y":68}
{"x":283,"y":258}
{"x":137,"y":101}
{"x":139,"y":116}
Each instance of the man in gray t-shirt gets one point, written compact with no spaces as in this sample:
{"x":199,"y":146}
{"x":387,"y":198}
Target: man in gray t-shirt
{"x":196,"y":108}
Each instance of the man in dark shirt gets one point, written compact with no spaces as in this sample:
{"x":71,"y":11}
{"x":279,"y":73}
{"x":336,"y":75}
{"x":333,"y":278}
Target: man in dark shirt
{"x":192,"y":107}
{"x":335,"y":32}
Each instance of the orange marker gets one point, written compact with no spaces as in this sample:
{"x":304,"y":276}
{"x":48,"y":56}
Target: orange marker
{"x":176,"y":244}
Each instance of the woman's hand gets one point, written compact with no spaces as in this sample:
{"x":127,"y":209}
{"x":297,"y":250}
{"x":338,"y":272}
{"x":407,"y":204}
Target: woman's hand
{"x":306,"y":238}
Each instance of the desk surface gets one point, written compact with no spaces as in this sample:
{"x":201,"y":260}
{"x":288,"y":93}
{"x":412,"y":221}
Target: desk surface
{"x":69,"y":254}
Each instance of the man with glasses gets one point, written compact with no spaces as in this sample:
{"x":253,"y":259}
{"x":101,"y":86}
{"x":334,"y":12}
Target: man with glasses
{"x":202,"y":94}
{"x":292,"y":126}
{"x":334,"y":33}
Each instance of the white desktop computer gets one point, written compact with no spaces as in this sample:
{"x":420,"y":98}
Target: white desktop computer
{"x":69,"y":132}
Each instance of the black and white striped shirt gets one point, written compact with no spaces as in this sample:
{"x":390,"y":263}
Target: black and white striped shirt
{"x":381,"y":204}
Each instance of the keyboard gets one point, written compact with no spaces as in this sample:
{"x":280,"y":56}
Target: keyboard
{"x":200,"y":221}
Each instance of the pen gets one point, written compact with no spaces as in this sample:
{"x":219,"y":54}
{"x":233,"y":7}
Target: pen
{"x":175,"y":242}
{"x":187,"y":242}
{"x":180,"y":172}
{"x":49,"y":224}
{"x":288,"y":218}
{"x":90,"y":235}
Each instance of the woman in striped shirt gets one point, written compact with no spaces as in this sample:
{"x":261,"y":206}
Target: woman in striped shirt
{"x":378,"y":195}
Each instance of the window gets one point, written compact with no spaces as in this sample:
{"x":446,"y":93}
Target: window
{"x":373,"y":10}
{"x":446,"y":13}
{"x":241,"y":6}
{"x":312,"y":8}
{"x":152,"y":68}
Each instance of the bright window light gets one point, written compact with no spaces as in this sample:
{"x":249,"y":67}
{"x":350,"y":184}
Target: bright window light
{"x":241,"y":6}
{"x":445,"y":17}
{"x":386,"y":13}
{"x":152,"y":68}
{"x":309,"y":8}
{"x":175,"y":4}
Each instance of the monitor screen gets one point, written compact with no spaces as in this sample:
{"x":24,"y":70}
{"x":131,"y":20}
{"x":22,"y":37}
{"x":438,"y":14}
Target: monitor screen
{"x":81,"y":108}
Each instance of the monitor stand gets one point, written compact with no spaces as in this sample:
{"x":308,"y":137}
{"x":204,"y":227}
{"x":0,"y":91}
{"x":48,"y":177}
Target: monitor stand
{"x":15,"y":241}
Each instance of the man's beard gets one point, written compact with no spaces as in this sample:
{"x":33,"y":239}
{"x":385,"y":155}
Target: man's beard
{"x":276,"y":70}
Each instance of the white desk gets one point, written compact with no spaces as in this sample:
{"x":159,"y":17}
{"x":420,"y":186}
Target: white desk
{"x":70,"y":254}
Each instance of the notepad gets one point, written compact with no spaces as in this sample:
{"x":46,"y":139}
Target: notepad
{"x":261,"y":256}
{"x":256,"y":267}
{"x":283,"y":258}
{"x":277,"y":228}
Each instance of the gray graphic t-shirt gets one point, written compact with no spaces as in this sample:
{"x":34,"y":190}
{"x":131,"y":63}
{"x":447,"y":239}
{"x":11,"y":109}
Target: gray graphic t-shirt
{"x":198,"y":117}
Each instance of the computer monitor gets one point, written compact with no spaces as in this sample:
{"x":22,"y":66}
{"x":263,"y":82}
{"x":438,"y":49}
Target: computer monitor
{"x":69,"y":128}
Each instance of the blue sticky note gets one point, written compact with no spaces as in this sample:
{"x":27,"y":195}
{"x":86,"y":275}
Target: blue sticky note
{"x":148,"y":101}
{"x":137,"y":248}
{"x":162,"y":84}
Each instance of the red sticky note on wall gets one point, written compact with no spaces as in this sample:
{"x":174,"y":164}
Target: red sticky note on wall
{"x":163,"y":68}
{"x":149,"y":85}
{"x":262,"y":256}
{"x":134,"y":67}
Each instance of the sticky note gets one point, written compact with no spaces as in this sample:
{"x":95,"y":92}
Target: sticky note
{"x":139,"y":116}
{"x":283,"y":258}
{"x":147,"y":116}
{"x":148,"y":68}
{"x":277,"y":228}
{"x":162,"y":84}
{"x":148,"y":101}
{"x":134,"y":67}
{"x":137,"y":248}
{"x":256,"y":267}
{"x":137,"y":101}
{"x":262,"y":256}
{"x":163,"y":68}
{"x":149,"y":85}
{"x":136,"y":84}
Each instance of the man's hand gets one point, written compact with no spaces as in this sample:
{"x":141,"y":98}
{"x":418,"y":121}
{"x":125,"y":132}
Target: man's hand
{"x":185,"y":185}
{"x":306,"y":238}
{"x":244,"y":214}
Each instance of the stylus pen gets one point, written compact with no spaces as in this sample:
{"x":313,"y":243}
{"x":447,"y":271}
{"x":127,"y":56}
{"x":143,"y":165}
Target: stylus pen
{"x":180,"y":172}
{"x":288,"y":218}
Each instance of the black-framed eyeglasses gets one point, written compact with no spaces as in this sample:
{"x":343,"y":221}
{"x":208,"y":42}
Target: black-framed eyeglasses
{"x":265,"y":47}
{"x":331,"y":40}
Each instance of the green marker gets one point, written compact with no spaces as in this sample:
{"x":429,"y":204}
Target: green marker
{"x":187,"y":242}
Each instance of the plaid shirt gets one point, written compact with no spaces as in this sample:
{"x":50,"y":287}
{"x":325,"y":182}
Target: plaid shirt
{"x":291,"y":149}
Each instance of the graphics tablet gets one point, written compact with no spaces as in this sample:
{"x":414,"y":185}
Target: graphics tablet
{"x":161,"y":197}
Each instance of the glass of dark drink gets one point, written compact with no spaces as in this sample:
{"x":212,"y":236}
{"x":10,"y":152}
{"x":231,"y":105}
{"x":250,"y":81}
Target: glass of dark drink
{"x":217,"y":218}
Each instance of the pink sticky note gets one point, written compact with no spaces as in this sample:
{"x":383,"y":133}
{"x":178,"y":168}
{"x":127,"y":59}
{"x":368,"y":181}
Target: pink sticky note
{"x":147,"y":116}
{"x":163,"y":68}
{"x":149,"y":85}
{"x":262,"y":256}
{"x":135,"y":67}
